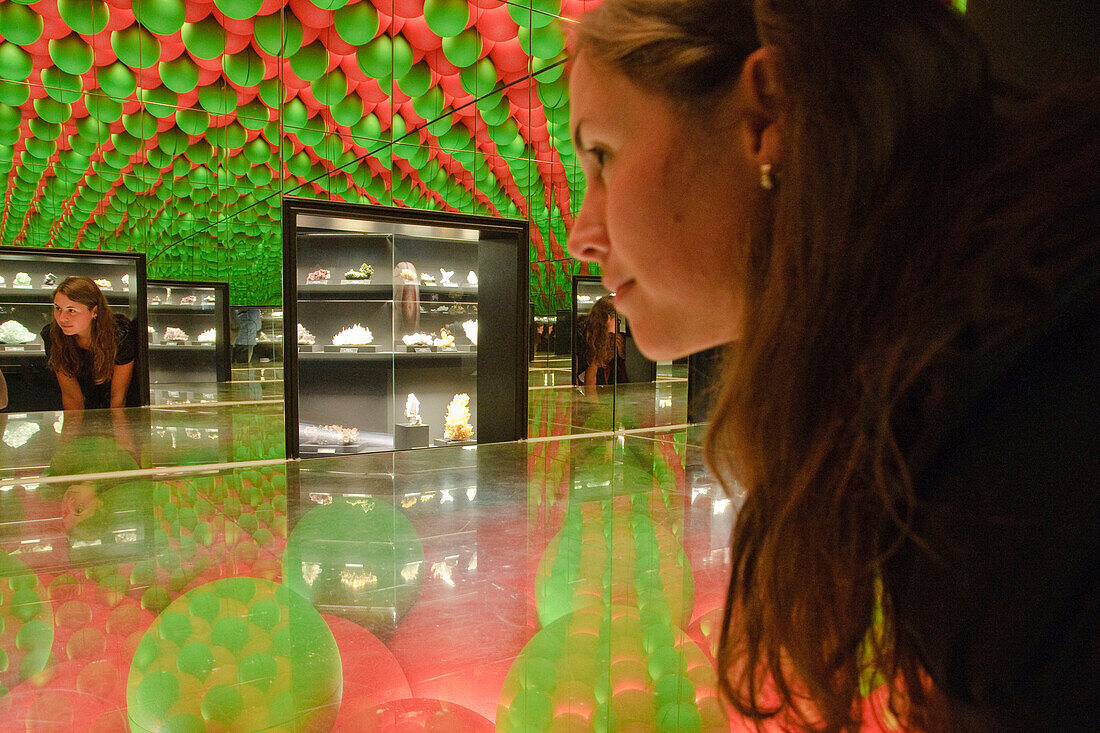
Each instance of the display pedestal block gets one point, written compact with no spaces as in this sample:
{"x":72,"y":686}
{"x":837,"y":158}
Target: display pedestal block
{"x":410,"y":436}
{"x":442,"y":442}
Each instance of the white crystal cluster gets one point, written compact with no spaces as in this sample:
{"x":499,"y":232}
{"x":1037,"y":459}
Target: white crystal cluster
{"x":470,"y":327}
{"x":353,"y":336}
{"x":21,"y":280}
{"x":418,"y":339}
{"x":208,"y":336}
{"x":305,"y":337}
{"x":16,"y":434}
{"x":174,"y":334}
{"x":187,"y":300}
{"x":14,"y":332}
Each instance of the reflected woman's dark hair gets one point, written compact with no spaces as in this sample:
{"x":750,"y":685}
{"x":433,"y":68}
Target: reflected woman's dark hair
{"x":597,"y":340}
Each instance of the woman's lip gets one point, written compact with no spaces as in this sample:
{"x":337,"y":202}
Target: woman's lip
{"x":622,"y":288}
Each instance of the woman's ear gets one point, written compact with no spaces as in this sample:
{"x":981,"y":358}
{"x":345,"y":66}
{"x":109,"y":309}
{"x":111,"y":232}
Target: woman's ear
{"x":760,"y":98}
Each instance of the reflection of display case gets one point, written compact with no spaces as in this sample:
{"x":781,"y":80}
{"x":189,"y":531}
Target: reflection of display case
{"x":270,"y":343}
{"x":27,"y":301}
{"x":188,"y":331}
{"x":441,"y":314}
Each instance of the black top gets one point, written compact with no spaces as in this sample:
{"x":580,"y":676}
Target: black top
{"x":1003,"y":605}
{"x":98,"y":396}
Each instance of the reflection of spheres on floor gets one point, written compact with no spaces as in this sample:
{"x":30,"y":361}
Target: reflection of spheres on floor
{"x":416,"y":715}
{"x":26,"y":623}
{"x":371,"y":673}
{"x":90,"y":454}
{"x":591,"y":670}
{"x":614,"y":552}
{"x":236,"y":654}
{"x":72,"y":696}
{"x":356,"y":558}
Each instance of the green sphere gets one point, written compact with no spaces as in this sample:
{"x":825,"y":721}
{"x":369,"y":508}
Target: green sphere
{"x":463,"y":49}
{"x":163,"y":17}
{"x":249,"y":644}
{"x":278,"y":35}
{"x":357,"y":24}
{"x":447,"y":18}
{"x":21,"y":24}
{"x":310,"y":62}
{"x":17,"y":64}
{"x":180,"y":75}
{"x":239,"y":9}
{"x":136,"y":47}
{"x":204,"y":39}
{"x":84,"y":16}
{"x":245,"y":69}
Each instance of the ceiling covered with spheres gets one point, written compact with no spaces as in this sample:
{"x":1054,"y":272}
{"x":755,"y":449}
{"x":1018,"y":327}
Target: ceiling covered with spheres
{"x":175,"y":127}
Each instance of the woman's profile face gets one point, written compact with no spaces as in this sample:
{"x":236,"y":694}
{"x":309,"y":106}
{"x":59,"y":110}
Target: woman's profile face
{"x":664,"y":214}
{"x":73,"y":318}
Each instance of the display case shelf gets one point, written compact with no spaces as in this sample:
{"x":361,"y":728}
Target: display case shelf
{"x":32,"y":386}
{"x":363,"y":389}
{"x":194,"y":307}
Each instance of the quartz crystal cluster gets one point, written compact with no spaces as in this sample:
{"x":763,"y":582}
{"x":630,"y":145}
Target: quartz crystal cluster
{"x":470,"y":327}
{"x":305,"y":337}
{"x":355,"y":335}
{"x":14,"y":332}
{"x":456,"y":423}
{"x":208,"y":336}
{"x":418,"y":339}
{"x":174,"y":334}
{"x":320,"y":275}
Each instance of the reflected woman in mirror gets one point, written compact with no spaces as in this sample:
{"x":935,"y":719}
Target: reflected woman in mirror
{"x":600,"y":359}
{"x":90,"y":348}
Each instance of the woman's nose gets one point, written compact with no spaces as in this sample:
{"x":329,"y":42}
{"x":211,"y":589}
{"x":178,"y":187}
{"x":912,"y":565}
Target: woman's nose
{"x":588,"y":239}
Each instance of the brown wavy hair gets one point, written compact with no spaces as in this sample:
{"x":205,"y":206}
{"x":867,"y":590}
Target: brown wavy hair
{"x":65,"y":355}
{"x":599,"y":343}
{"x":920,"y":218}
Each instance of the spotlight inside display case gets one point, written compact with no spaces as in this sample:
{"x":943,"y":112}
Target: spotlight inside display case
{"x":188,"y":331}
{"x":411,"y":328}
{"x":28,"y":278}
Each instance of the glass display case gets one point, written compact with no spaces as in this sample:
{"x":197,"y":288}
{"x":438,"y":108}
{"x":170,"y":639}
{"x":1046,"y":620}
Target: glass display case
{"x":411,"y":328}
{"x":28,"y":277}
{"x":188,"y":332}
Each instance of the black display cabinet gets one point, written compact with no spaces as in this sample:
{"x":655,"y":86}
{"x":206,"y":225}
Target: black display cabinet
{"x":30,"y":275}
{"x":188,"y":331}
{"x":383,"y":303}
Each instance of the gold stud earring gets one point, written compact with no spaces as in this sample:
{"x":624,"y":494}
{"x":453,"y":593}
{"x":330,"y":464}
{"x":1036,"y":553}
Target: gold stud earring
{"x":766,"y":181}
